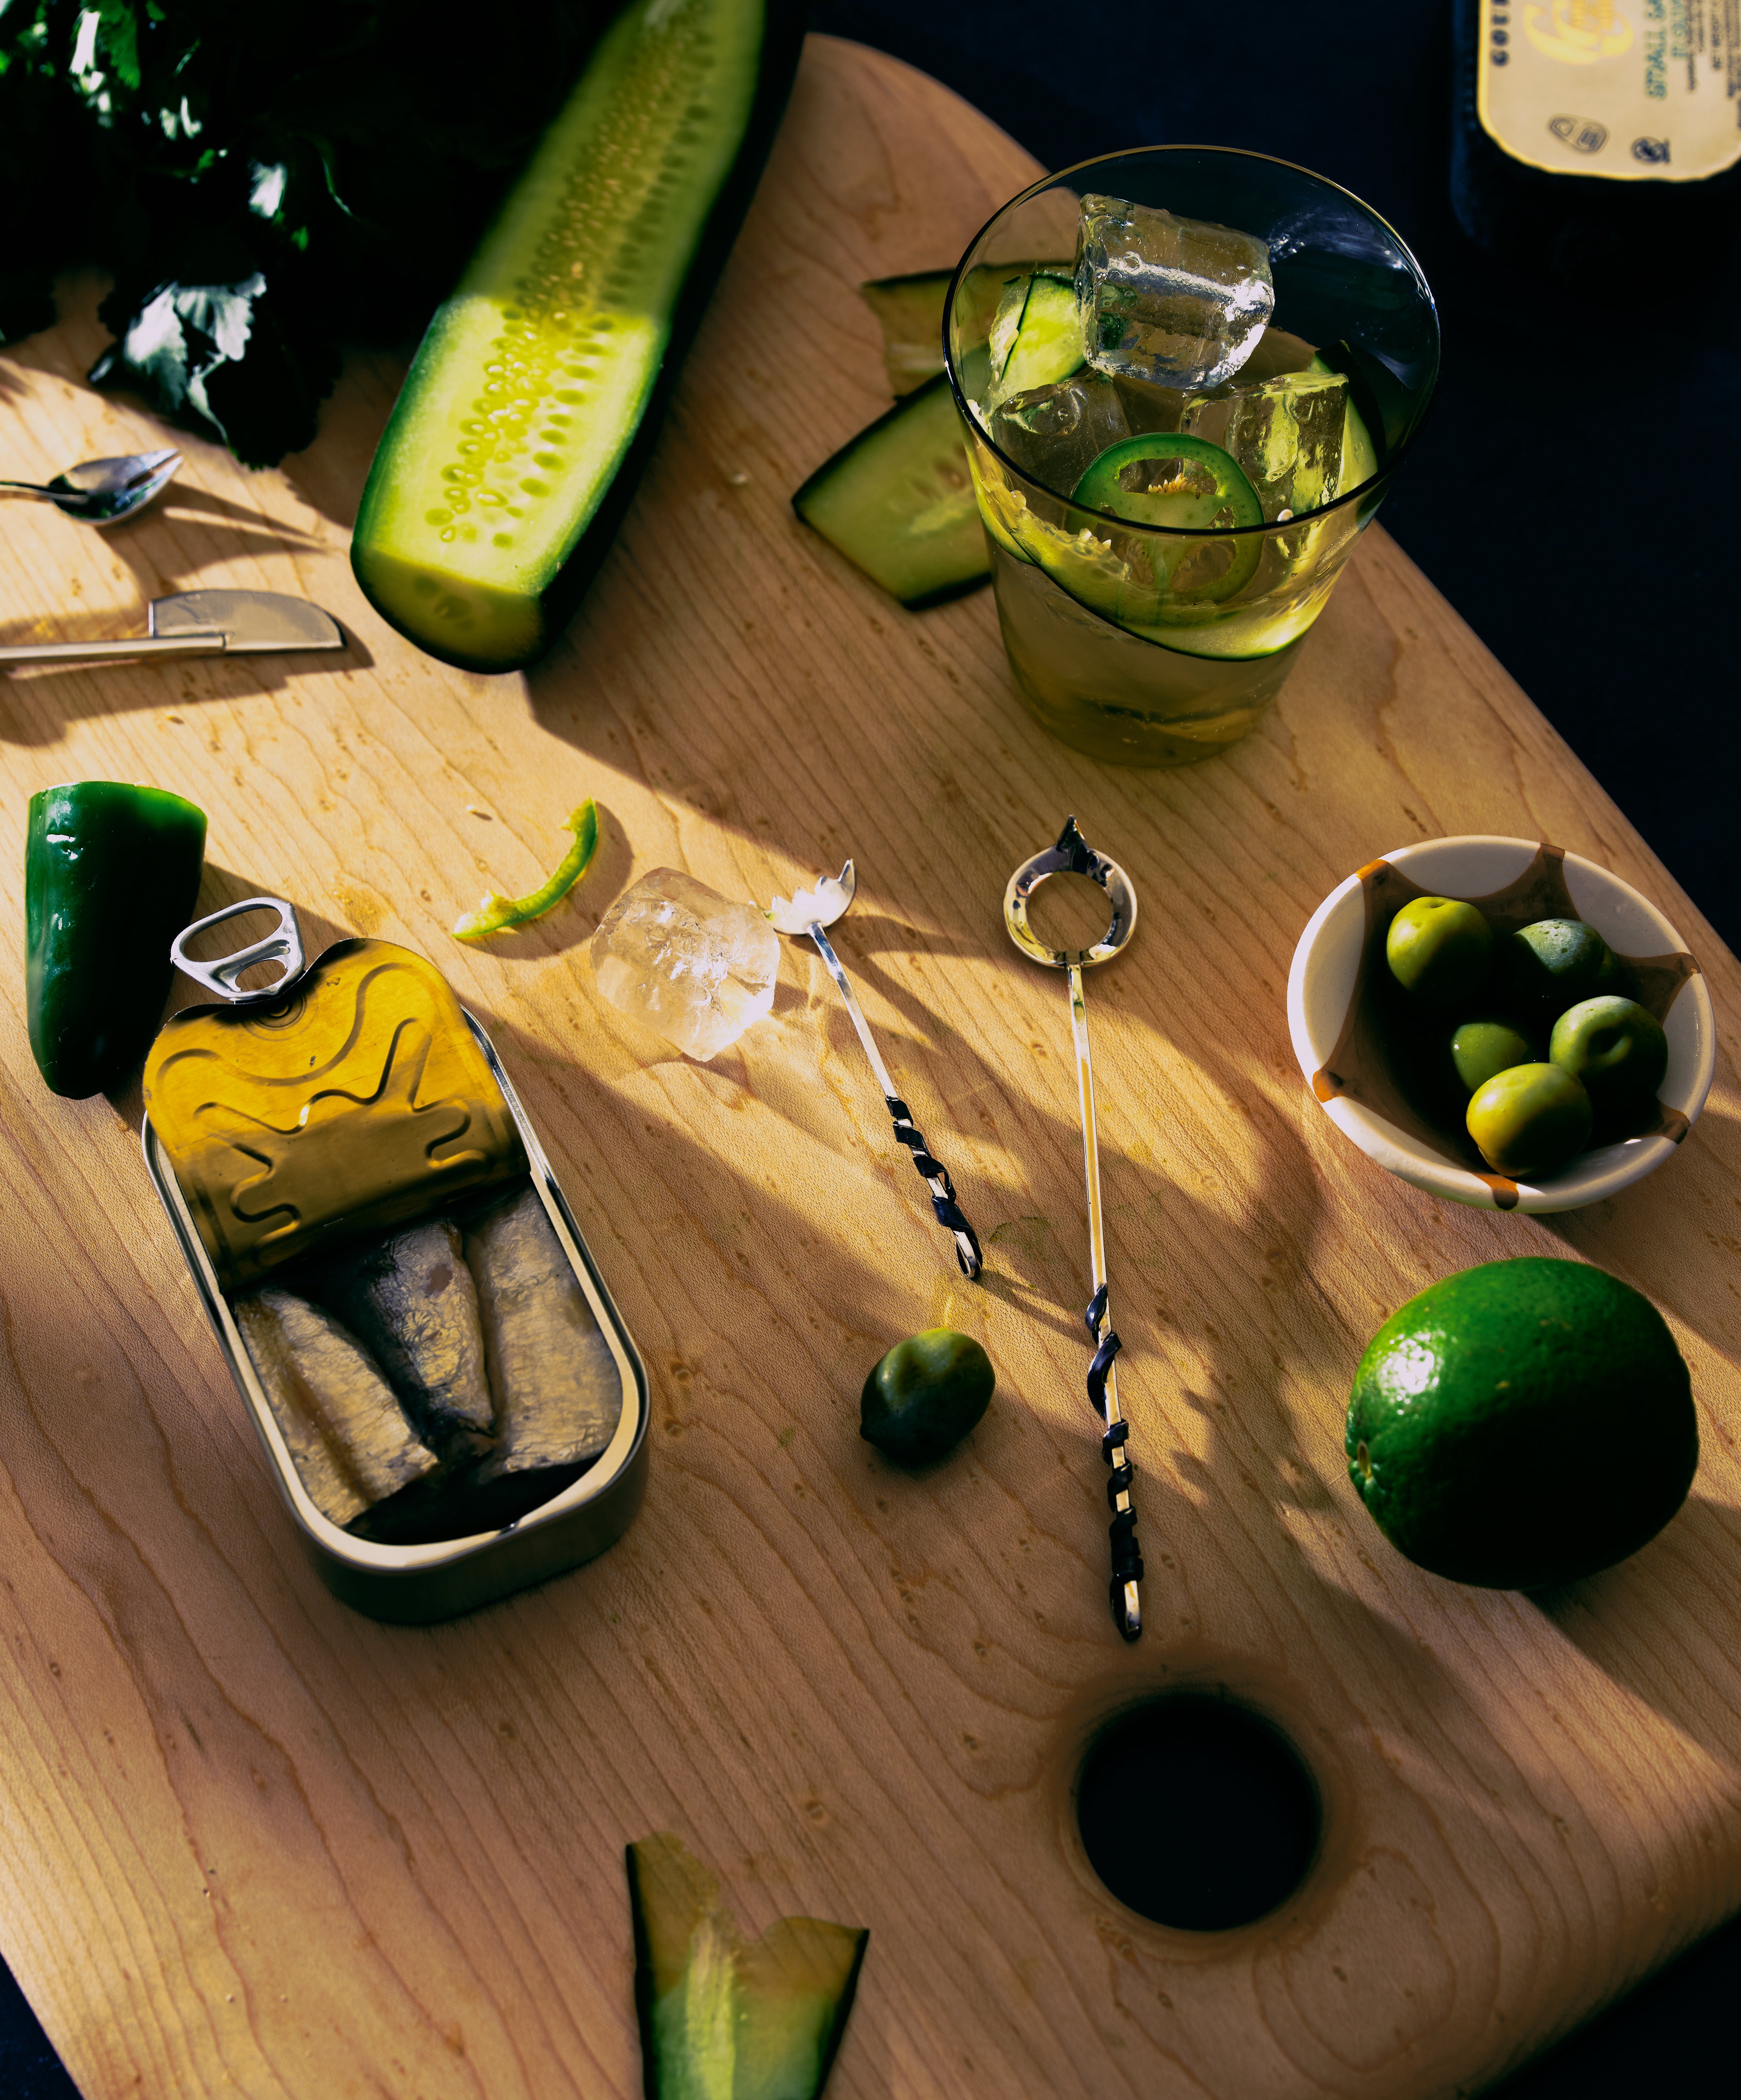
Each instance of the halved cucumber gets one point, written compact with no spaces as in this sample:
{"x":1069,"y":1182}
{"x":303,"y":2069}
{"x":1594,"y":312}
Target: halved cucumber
{"x":534,"y":401}
{"x":898,"y":501}
{"x":1037,"y":336}
{"x":910,"y":309}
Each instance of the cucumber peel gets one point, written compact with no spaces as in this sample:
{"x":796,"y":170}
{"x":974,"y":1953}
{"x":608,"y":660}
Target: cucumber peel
{"x":496,"y":913}
{"x":535,"y":396}
{"x":722,"y":2019}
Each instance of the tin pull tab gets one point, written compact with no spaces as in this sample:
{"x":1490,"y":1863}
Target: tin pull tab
{"x":283,"y":945}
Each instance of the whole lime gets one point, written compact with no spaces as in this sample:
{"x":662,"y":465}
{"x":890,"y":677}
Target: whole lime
{"x":925,"y":1396}
{"x":1529,"y":1120}
{"x":1524,"y":1422}
{"x":1615,"y":1046}
{"x":1438,"y":949}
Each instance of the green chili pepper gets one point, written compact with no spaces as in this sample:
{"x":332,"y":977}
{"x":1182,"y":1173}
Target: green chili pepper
{"x":111,"y":873}
{"x":496,"y":913}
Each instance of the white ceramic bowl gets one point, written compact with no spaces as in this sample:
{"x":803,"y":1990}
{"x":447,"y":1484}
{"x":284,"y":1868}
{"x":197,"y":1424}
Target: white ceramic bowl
{"x":1321,"y":985}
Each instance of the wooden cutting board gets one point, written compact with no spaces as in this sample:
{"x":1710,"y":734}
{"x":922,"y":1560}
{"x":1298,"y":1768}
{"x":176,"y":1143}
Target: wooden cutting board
{"x":252,"y":1842}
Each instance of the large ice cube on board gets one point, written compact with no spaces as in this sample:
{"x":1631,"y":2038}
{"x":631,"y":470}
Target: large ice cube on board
{"x":1176,"y":301}
{"x":1054,"y":433}
{"x":1286,"y":433}
{"x":696,"y":966}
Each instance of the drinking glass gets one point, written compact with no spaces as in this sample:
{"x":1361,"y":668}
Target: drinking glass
{"x":1149,"y":645}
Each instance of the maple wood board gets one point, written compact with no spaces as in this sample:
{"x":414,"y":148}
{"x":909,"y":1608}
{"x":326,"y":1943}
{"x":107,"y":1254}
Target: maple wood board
{"x":252,"y":1842}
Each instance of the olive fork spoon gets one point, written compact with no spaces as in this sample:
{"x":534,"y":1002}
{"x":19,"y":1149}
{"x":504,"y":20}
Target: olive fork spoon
{"x":103,"y":491}
{"x":810,"y":912}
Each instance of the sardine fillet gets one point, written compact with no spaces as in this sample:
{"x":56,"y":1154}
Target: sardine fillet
{"x":558,"y":1392}
{"x":412,"y":1303}
{"x":345,"y":1430}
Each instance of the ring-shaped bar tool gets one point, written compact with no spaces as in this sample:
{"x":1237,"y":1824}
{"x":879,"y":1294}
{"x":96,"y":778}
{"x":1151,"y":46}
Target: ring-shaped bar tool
{"x":283,"y":945}
{"x":1073,"y":855}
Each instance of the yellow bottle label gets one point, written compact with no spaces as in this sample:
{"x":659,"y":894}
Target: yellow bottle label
{"x":1635,"y":90}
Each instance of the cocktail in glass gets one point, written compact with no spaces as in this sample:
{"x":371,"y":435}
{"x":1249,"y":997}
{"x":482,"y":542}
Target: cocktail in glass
{"x":1187,"y":376}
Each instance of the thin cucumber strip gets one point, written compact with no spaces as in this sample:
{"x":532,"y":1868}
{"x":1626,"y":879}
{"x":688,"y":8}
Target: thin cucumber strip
{"x":1036,"y":337}
{"x":898,"y":501}
{"x":540,"y":377}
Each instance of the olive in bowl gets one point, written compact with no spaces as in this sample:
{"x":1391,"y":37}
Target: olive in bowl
{"x":1618,"y":1050}
{"x":1530,"y":1120}
{"x":1439,"y":949}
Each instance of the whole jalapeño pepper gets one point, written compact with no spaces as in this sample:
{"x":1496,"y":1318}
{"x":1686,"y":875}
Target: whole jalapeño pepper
{"x":111,"y":870}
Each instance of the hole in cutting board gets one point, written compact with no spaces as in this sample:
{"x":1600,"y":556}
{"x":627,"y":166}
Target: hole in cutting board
{"x":1197,"y":1812}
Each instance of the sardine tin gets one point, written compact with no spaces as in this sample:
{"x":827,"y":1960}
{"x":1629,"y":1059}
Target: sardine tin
{"x":456,"y":1064}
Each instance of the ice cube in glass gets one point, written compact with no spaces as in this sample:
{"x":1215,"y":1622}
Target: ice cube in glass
{"x":1176,"y":301}
{"x":1286,"y":433}
{"x":1054,"y":433}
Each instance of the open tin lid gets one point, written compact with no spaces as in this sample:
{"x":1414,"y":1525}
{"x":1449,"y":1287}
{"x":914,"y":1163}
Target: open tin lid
{"x":349,"y":1094}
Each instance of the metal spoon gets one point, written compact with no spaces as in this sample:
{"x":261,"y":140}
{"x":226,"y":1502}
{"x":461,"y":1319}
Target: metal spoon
{"x":809,"y":912}
{"x":1073,"y":853}
{"x":103,"y":491}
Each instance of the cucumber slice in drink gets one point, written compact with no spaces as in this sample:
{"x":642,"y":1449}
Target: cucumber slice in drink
{"x":898,"y":501}
{"x":535,"y":398}
{"x":910,"y":309}
{"x":1037,"y":336}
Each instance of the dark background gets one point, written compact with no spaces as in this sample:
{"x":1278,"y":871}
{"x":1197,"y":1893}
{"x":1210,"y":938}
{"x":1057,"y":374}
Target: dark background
{"x":1568,"y":497}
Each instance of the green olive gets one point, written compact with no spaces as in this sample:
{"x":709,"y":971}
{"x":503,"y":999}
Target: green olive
{"x":1552,"y":964}
{"x":1480,"y":1048}
{"x":1530,"y":1120}
{"x":1616,"y":1047}
{"x":1438,"y":948}
{"x":925,"y":1396}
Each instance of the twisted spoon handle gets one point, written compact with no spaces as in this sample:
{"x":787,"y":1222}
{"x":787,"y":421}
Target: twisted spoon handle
{"x":1127,"y":1555}
{"x":1103,"y":1376}
{"x":949,"y":1212}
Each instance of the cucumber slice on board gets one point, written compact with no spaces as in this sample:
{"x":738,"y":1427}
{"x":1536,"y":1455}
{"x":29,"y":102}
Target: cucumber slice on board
{"x":910,"y":309}
{"x":721,"y":2020}
{"x":898,"y":501}
{"x":1037,"y":336}
{"x":535,"y":396}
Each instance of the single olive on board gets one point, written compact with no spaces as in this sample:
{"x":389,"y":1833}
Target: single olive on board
{"x":1439,"y":949}
{"x":925,"y":1396}
{"x":1530,"y":1120}
{"x":1616,"y":1047}
{"x":1481,"y":1049}
{"x":1547,"y":966}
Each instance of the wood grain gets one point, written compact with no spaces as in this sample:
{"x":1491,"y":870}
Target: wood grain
{"x":251,"y":1842}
